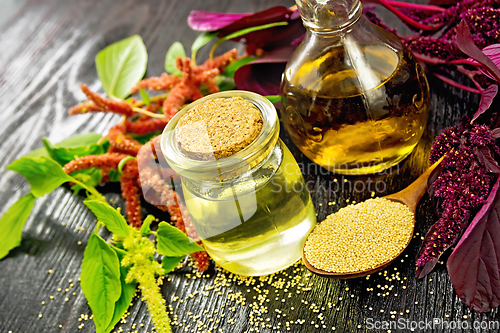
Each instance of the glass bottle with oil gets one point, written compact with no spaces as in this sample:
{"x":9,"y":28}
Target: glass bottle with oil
{"x":354,"y":99}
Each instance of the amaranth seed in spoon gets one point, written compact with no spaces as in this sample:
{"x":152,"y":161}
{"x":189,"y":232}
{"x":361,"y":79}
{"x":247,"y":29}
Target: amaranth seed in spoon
{"x":360,"y":237}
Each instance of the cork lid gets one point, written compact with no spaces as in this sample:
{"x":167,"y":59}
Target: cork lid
{"x":218,"y":128}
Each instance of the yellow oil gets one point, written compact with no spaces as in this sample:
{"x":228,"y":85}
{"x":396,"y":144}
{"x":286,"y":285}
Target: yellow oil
{"x":356,"y":109}
{"x":255,"y":224}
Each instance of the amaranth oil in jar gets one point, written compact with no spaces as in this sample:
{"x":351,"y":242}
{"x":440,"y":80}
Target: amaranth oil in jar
{"x":242,"y":186}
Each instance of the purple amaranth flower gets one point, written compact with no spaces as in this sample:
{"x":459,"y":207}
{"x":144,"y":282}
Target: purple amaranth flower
{"x":484,"y":23}
{"x":459,"y":191}
{"x":415,"y":13}
{"x":481,"y":135}
{"x":371,"y":16}
{"x":446,"y":142}
{"x":473,"y":12}
{"x":432,"y":47}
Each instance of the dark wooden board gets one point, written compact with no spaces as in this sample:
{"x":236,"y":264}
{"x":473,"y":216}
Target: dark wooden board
{"x":48,"y":50}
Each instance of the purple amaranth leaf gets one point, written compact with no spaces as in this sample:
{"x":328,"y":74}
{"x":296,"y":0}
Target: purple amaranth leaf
{"x":467,"y":46}
{"x":474,"y":265}
{"x":200,"y":20}
{"x":495,"y":133}
{"x":256,"y":41}
{"x":266,"y":16}
{"x":485,"y":157}
{"x":268,"y":39}
{"x":263,"y":75}
{"x":492,"y":52}
{"x":487,"y":97}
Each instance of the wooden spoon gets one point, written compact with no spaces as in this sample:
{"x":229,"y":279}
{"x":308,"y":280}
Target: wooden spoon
{"x":410,"y":196}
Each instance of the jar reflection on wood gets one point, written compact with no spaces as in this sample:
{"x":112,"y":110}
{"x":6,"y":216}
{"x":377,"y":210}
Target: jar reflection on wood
{"x":354,"y":99}
{"x":251,"y":207}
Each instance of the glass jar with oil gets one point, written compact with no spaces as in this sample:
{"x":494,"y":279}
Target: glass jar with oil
{"x":242,"y":187}
{"x":354,"y":99}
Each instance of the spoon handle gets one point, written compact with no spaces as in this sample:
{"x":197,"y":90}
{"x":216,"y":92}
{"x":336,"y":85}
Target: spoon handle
{"x":412,"y":194}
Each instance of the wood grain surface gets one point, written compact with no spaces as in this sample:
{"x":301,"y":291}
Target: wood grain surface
{"x":47,"y":51}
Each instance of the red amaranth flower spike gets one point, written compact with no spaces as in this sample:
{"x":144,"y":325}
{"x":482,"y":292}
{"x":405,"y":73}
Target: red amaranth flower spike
{"x":178,"y":96}
{"x":187,"y":88}
{"x":124,"y":143}
{"x":128,"y":179}
{"x":105,"y":175}
{"x":182,"y":220}
{"x":148,"y":126}
{"x":211,"y":86}
{"x":104,"y":161}
{"x":154,"y":175}
{"x":131,"y":192}
{"x":163,"y":82}
{"x":84,"y":107}
{"x":219,"y":62}
{"x":108,"y":105}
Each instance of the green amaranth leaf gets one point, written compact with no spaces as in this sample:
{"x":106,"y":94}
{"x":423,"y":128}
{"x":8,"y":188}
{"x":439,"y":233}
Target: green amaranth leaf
{"x":175,"y":50}
{"x":273,"y":98}
{"x":235,"y":65}
{"x":63,"y":155}
{"x":100,"y":280}
{"x":121,"y":65}
{"x":114,"y":176}
{"x":172,"y":242}
{"x":12,"y":223}
{"x":43,"y":174}
{"x":145,"y":97}
{"x":200,"y":41}
{"x":224,"y":83}
{"x":169,"y":263}
{"x":113,"y":220}
{"x":76,"y":141}
{"x":145,"y":228}
{"x":243,"y":32}
{"x":90,"y":177}
{"x":128,"y":291}
{"x":144,"y":138}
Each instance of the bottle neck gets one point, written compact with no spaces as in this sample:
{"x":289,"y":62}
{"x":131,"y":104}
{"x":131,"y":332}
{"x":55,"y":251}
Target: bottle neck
{"x":323,"y":16}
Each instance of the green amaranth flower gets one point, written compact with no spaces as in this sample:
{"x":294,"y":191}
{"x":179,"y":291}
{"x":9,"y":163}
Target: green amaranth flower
{"x":143,"y":270}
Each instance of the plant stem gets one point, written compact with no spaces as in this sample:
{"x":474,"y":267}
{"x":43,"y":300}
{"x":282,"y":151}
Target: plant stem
{"x":464,"y":62}
{"x":415,"y":6}
{"x":148,"y":113}
{"x":122,"y":163}
{"x":156,"y":98}
{"x":456,"y":84}
{"x":408,"y":20}
{"x":89,"y":189}
{"x":429,"y":60}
